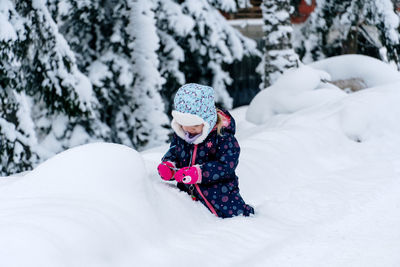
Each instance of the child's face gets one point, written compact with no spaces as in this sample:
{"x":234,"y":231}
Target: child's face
{"x":196,"y":129}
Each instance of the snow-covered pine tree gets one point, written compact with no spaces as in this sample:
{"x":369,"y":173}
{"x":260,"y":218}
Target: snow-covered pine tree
{"x":52,"y":101}
{"x":334,"y":26}
{"x":279,"y":54}
{"x":117,"y":42}
{"x":172,"y":25}
{"x":382,"y":14}
{"x":17,"y":136}
{"x":49,"y":64}
{"x":207,"y":41}
{"x":194,"y":42}
{"x":180,"y":36}
{"x":314,"y":32}
{"x":318,"y":41}
{"x":46,"y":88}
{"x":148,"y":117}
{"x":62,"y":95}
{"x":86,"y":25}
{"x":93,"y":31}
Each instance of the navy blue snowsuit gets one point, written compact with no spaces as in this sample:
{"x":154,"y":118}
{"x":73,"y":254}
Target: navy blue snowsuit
{"x":217,"y":156}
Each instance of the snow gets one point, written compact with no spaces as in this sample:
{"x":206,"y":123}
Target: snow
{"x":279,"y":54}
{"x":221,"y":44}
{"x":8,"y":129}
{"x":98,"y":71}
{"x":372,"y":71}
{"x":224,"y":5}
{"x":335,"y":20}
{"x":149,"y":108}
{"x":302,"y":88}
{"x":24,"y":117}
{"x":281,"y":31}
{"x":389,"y":17}
{"x":323,"y":178}
{"x":60,"y":214}
{"x":176,"y":55}
{"x":71,"y":75}
{"x":244,"y":22}
{"x":7,"y":31}
{"x":293,"y":91}
{"x":180,"y":23}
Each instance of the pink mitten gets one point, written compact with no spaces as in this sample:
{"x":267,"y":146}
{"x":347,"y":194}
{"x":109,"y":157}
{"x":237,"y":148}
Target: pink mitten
{"x":166,"y":170}
{"x":189,"y":175}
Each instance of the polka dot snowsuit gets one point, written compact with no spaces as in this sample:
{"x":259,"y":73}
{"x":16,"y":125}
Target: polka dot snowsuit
{"x":217,"y":156}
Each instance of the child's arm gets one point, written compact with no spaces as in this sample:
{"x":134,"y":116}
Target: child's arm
{"x":224,"y":166}
{"x":167,"y":168}
{"x":170,"y":155}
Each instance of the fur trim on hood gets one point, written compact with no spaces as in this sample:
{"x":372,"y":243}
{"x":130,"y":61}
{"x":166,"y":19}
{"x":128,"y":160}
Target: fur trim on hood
{"x":194,"y":105}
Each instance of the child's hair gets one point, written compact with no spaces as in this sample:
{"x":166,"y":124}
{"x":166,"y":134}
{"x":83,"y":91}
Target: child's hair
{"x":219,"y":122}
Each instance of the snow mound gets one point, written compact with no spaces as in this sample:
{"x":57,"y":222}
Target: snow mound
{"x":74,"y":209}
{"x":307,"y":86}
{"x":315,"y":190}
{"x":372,"y":71}
{"x":322,"y":178}
{"x":296,"y":89}
{"x":371,"y":114}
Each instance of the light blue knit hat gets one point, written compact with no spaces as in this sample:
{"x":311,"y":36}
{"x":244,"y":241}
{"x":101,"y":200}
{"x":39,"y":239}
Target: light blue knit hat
{"x":194,"y":105}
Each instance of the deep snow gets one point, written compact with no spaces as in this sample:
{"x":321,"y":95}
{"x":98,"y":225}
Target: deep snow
{"x":324,"y":180}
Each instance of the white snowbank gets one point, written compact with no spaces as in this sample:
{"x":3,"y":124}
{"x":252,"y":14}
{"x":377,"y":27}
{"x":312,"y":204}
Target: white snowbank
{"x":7,"y":32}
{"x":306,"y":86}
{"x":296,"y":89}
{"x":338,"y":193}
{"x":324,"y":181}
{"x":373,"y":71}
{"x":76,"y":209}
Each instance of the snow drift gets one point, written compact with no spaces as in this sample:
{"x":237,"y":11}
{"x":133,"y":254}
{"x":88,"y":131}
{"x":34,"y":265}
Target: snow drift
{"x":307,"y":86}
{"x":371,"y":70}
{"x":294,"y":90}
{"x":75,"y":209}
{"x":324,"y":180}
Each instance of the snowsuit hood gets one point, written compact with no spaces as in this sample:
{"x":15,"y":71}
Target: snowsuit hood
{"x":228,"y":123}
{"x":194,"y":105}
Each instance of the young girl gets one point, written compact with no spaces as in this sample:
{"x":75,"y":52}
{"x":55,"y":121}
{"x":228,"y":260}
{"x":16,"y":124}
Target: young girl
{"x":204,"y":153}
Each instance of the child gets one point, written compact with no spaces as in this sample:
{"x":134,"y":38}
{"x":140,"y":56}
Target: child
{"x":204,"y":153}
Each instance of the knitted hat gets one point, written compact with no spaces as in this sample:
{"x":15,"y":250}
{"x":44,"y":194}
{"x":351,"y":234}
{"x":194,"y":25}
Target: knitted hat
{"x":194,"y":105}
